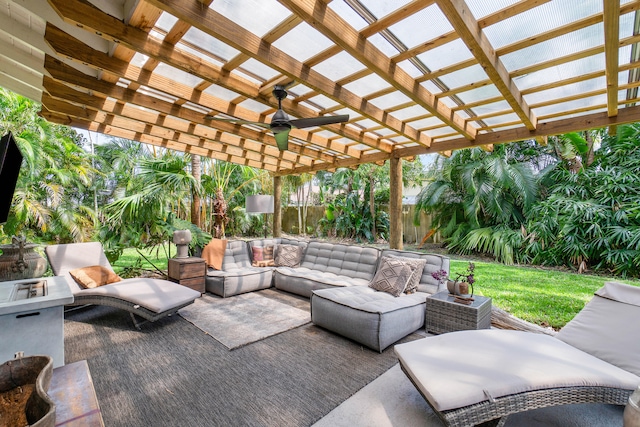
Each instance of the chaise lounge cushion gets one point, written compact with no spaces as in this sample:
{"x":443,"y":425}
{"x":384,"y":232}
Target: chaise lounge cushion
{"x":611,"y":315}
{"x":462,"y":368}
{"x":156,"y":295}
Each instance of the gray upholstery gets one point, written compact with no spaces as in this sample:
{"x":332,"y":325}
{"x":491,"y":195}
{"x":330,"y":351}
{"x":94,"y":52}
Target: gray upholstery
{"x":303,"y":281}
{"x":346,"y":260}
{"x":327,"y":265}
{"x":375,"y":319}
{"x":237,"y":275}
{"x":434,"y":263}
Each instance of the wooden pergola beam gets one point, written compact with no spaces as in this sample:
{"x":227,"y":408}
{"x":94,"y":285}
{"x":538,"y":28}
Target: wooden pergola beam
{"x":611,"y":21}
{"x":460,"y":16}
{"x":333,"y":26}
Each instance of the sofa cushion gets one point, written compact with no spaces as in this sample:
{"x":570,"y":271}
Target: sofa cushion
{"x":236,"y":281}
{"x":375,"y":319}
{"x":462,"y":368}
{"x":347,"y":260}
{"x":604,"y":328}
{"x":262,"y":256}
{"x":275,"y":241}
{"x":288,"y":256}
{"x":392,"y":276}
{"x":303,"y":281}
{"x":417,"y":266}
{"x":434,"y":263}
{"x":236,"y":255}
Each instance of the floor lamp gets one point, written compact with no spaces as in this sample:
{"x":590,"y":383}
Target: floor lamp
{"x":260,"y":203}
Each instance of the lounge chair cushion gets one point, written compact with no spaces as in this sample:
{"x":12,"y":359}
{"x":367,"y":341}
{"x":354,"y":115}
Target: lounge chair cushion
{"x":156,"y":295}
{"x":462,"y":368}
{"x":605,"y":326}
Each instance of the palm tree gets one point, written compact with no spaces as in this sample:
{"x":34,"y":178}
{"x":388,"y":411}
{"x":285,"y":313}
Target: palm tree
{"x":479,"y":200}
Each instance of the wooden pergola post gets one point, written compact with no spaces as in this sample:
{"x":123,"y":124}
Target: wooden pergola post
{"x":277,"y":202}
{"x":395,"y":203}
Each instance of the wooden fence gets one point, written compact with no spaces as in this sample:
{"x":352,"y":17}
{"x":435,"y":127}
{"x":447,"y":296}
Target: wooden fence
{"x":411,"y":233}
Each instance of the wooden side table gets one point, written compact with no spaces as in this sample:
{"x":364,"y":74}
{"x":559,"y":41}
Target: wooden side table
{"x":189,"y":272}
{"x":446,"y":315}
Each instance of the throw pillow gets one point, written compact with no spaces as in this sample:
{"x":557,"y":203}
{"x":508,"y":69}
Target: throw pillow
{"x":417,"y":266}
{"x":94,"y":276}
{"x":213,"y":253}
{"x":262,"y":256}
{"x":392,"y":276}
{"x":288,"y":255}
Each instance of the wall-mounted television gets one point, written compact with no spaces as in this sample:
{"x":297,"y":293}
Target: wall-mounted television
{"x":10,"y":162}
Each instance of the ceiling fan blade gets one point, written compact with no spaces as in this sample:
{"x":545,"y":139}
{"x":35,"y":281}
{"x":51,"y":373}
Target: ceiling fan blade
{"x":282,"y":140}
{"x":319,"y":121}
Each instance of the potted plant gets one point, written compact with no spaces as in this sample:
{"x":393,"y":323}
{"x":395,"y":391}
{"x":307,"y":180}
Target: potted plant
{"x":460,"y":285}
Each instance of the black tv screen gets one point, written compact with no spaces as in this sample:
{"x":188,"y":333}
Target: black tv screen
{"x":10,"y":161}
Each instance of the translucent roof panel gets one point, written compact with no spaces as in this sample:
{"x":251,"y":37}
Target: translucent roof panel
{"x":321,"y":102}
{"x":430,"y":21}
{"x":578,"y":88}
{"x":545,"y":17}
{"x":139,"y":60}
{"x":366,"y":85}
{"x":210,"y":44}
{"x":338,"y":66}
{"x":166,"y":22}
{"x":566,"y":44}
{"x":494,"y":107}
{"x":571,"y":105}
{"x":383,"y":44}
{"x":391,"y":100}
{"x":347,"y":13}
{"x":445,"y":55}
{"x":474,"y":95}
{"x":464,"y":77}
{"x":381,"y":8}
{"x":482,"y":8}
{"x":426,"y":123}
{"x":257,"y":16}
{"x":562,"y":71}
{"x":174,"y":74}
{"x":505,"y":118}
{"x":409,"y":112}
{"x":303,"y":42}
{"x":258,"y":70}
{"x":221,"y":93}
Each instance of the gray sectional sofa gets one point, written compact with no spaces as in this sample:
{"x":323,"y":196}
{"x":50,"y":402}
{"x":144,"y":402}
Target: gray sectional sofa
{"x":336,"y":278}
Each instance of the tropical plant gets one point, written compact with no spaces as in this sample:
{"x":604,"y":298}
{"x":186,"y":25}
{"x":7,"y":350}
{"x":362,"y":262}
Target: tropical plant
{"x":479,"y":201}
{"x":591,"y":218}
{"x":53,"y":196}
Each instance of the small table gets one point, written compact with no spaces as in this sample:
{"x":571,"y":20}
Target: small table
{"x":75,"y":398}
{"x":189,"y":272}
{"x":446,"y":315}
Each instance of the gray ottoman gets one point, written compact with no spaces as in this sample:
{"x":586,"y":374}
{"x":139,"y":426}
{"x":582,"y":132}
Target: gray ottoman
{"x":375,"y":319}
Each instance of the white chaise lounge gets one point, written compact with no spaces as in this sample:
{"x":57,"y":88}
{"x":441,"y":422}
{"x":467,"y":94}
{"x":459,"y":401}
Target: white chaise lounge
{"x":480,"y":377}
{"x":150,"y":299}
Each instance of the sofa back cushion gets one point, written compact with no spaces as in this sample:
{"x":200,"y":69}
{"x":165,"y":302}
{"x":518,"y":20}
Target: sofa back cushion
{"x":347,"y":260}
{"x":236,"y":255}
{"x":434,"y":263}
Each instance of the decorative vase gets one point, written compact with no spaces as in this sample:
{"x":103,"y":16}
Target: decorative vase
{"x":459,"y":288}
{"x":631,"y":415}
{"x":19,"y":260}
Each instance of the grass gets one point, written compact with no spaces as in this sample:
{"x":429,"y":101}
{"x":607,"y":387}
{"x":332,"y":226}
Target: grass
{"x":542,"y":296}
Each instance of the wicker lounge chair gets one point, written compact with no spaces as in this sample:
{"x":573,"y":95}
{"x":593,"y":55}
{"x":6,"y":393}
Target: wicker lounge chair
{"x":150,"y":299}
{"x":480,"y":377}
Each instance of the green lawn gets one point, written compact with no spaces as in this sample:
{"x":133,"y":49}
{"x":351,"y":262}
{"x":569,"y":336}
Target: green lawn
{"x":542,"y":296}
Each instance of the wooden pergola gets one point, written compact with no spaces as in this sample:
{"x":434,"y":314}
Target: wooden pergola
{"x":415,"y":77}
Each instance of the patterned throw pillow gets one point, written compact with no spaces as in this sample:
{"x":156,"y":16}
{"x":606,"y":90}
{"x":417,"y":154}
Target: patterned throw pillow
{"x":392,"y":276}
{"x":262,"y":256}
{"x":417,"y":266}
{"x":94,"y":276}
{"x":288,"y":255}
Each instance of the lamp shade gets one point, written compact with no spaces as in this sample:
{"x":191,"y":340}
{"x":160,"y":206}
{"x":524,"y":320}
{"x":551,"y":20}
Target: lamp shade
{"x":259,"y":203}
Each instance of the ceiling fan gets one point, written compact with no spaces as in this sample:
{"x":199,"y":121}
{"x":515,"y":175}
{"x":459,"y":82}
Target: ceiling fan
{"x":281,"y":124}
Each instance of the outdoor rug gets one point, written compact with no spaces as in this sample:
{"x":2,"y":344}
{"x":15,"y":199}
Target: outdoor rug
{"x":243,"y":319}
